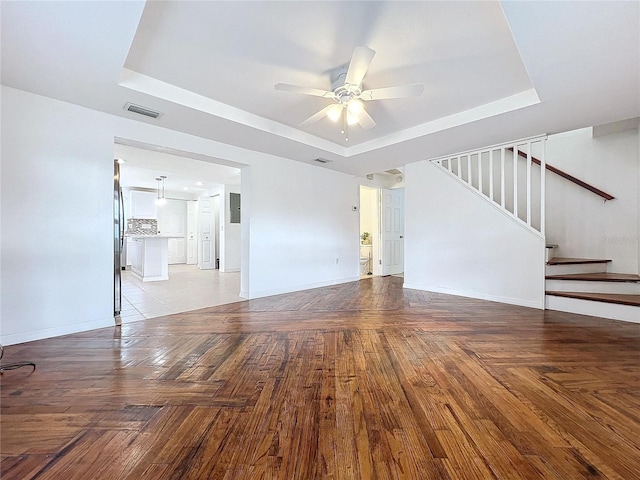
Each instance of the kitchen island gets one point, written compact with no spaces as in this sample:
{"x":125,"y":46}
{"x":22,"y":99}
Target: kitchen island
{"x":149,"y":258}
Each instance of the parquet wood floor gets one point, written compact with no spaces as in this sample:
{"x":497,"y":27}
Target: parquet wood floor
{"x":358,"y":381}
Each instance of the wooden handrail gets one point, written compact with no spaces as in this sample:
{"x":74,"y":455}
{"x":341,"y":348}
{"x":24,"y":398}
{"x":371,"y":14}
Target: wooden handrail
{"x":569,"y":177}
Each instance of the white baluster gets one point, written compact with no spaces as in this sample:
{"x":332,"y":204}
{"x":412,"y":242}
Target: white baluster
{"x":491,"y":174}
{"x":543,"y":174}
{"x":480,"y":172}
{"x":529,"y":183}
{"x":515,"y":181}
{"x":502,"y":178}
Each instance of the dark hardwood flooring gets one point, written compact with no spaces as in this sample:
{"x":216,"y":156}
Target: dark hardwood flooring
{"x":358,"y":381}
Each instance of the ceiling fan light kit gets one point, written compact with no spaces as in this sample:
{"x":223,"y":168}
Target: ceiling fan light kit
{"x":348,"y":96}
{"x":335,"y":112}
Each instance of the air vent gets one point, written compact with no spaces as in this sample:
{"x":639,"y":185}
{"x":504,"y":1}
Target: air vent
{"x":147,"y":112}
{"x":393,"y":171}
{"x":321,"y":160}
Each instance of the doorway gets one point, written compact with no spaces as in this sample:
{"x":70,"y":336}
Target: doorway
{"x":194,"y":279}
{"x":381,"y":231}
{"x":369,"y":231}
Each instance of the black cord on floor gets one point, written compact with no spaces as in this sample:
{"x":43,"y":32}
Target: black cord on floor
{"x":15,"y":365}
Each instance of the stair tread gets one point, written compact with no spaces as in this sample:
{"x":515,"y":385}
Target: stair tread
{"x":575,"y":261}
{"x":619,"y":298}
{"x":597,"y":277}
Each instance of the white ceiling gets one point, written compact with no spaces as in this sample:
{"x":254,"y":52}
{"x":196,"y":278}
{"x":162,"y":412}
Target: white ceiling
{"x":492,"y":71}
{"x":184,"y":175}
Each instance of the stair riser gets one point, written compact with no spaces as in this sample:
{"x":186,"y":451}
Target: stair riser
{"x":549,"y":254}
{"x":626,"y":288}
{"x":579,"y":268}
{"x":612,"y":311}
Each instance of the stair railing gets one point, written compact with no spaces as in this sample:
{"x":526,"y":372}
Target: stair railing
{"x":571,"y":178}
{"x":493,"y":172}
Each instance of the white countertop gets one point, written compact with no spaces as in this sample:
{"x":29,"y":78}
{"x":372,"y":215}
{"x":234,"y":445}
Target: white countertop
{"x":153,"y":236}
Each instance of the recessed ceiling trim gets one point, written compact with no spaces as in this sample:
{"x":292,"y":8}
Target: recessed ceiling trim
{"x":151,"y":86}
{"x":504,"y":105}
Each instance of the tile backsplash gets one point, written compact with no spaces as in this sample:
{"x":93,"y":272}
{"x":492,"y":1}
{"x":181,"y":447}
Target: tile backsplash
{"x":141,"y":226}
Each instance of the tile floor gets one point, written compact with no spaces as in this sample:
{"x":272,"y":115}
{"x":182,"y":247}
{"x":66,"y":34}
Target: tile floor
{"x":188,"y":288}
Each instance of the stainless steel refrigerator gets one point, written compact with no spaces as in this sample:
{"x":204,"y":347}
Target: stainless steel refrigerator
{"x":118,"y":238}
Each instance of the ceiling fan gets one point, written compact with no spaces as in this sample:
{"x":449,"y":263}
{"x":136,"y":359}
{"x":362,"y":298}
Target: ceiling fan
{"x":348,"y":95}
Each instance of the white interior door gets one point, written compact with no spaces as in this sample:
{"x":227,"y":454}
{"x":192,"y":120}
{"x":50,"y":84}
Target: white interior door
{"x":206,"y":235}
{"x":192,"y":233}
{"x":172,"y":220}
{"x":392,"y":240}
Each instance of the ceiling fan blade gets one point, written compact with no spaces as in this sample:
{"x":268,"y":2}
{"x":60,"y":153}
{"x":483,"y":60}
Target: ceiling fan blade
{"x":365,"y":120}
{"x":316,"y":92}
{"x":360,"y":61}
{"x":401,"y":91}
{"x":317,"y":116}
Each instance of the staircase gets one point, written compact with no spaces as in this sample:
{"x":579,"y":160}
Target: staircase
{"x":503,"y":175}
{"x":584,"y":286}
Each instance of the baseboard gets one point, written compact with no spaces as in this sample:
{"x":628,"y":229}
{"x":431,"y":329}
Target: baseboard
{"x":229,"y":270}
{"x":309,"y":286}
{"x":480,"y":296}
{"x":13,"y":339}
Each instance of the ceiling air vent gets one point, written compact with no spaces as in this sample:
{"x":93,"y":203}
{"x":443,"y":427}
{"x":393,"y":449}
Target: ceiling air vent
{"x":147,"y":112}
{"x":321,"y":160}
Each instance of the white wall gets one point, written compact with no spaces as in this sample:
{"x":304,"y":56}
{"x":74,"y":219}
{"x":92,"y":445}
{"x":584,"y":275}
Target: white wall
{"x":232,"y":233}
{"x":57,"y":219}
{"x":368,"y":210}
{"x":302,"y":227}
{"x":57,"y":178}
{"x":457,"y":243}
{"x":579,"y":221}
{"x":228,"y":234}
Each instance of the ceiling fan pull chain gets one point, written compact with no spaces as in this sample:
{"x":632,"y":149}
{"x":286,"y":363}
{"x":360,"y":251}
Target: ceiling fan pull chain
{"x":345,"y":124}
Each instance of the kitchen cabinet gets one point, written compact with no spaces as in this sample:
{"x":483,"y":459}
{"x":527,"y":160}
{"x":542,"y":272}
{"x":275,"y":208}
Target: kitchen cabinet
{"x":150,"y":257}
{"x":130,"y":252}
{"x":143,"y":204}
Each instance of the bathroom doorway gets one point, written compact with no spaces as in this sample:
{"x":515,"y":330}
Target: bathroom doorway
{"x":369,"y":231}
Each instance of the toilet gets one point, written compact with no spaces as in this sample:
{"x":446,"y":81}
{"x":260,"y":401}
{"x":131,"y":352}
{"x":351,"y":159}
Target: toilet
{"x":365,"y":256}
{"x":364,"y":262}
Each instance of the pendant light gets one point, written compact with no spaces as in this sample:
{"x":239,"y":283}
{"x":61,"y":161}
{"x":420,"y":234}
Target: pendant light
{"x":160,"y":200}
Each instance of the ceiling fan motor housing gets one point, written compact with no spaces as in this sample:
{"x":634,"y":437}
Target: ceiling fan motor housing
{"x":346,"y":92}
{"x":342,"y":91}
